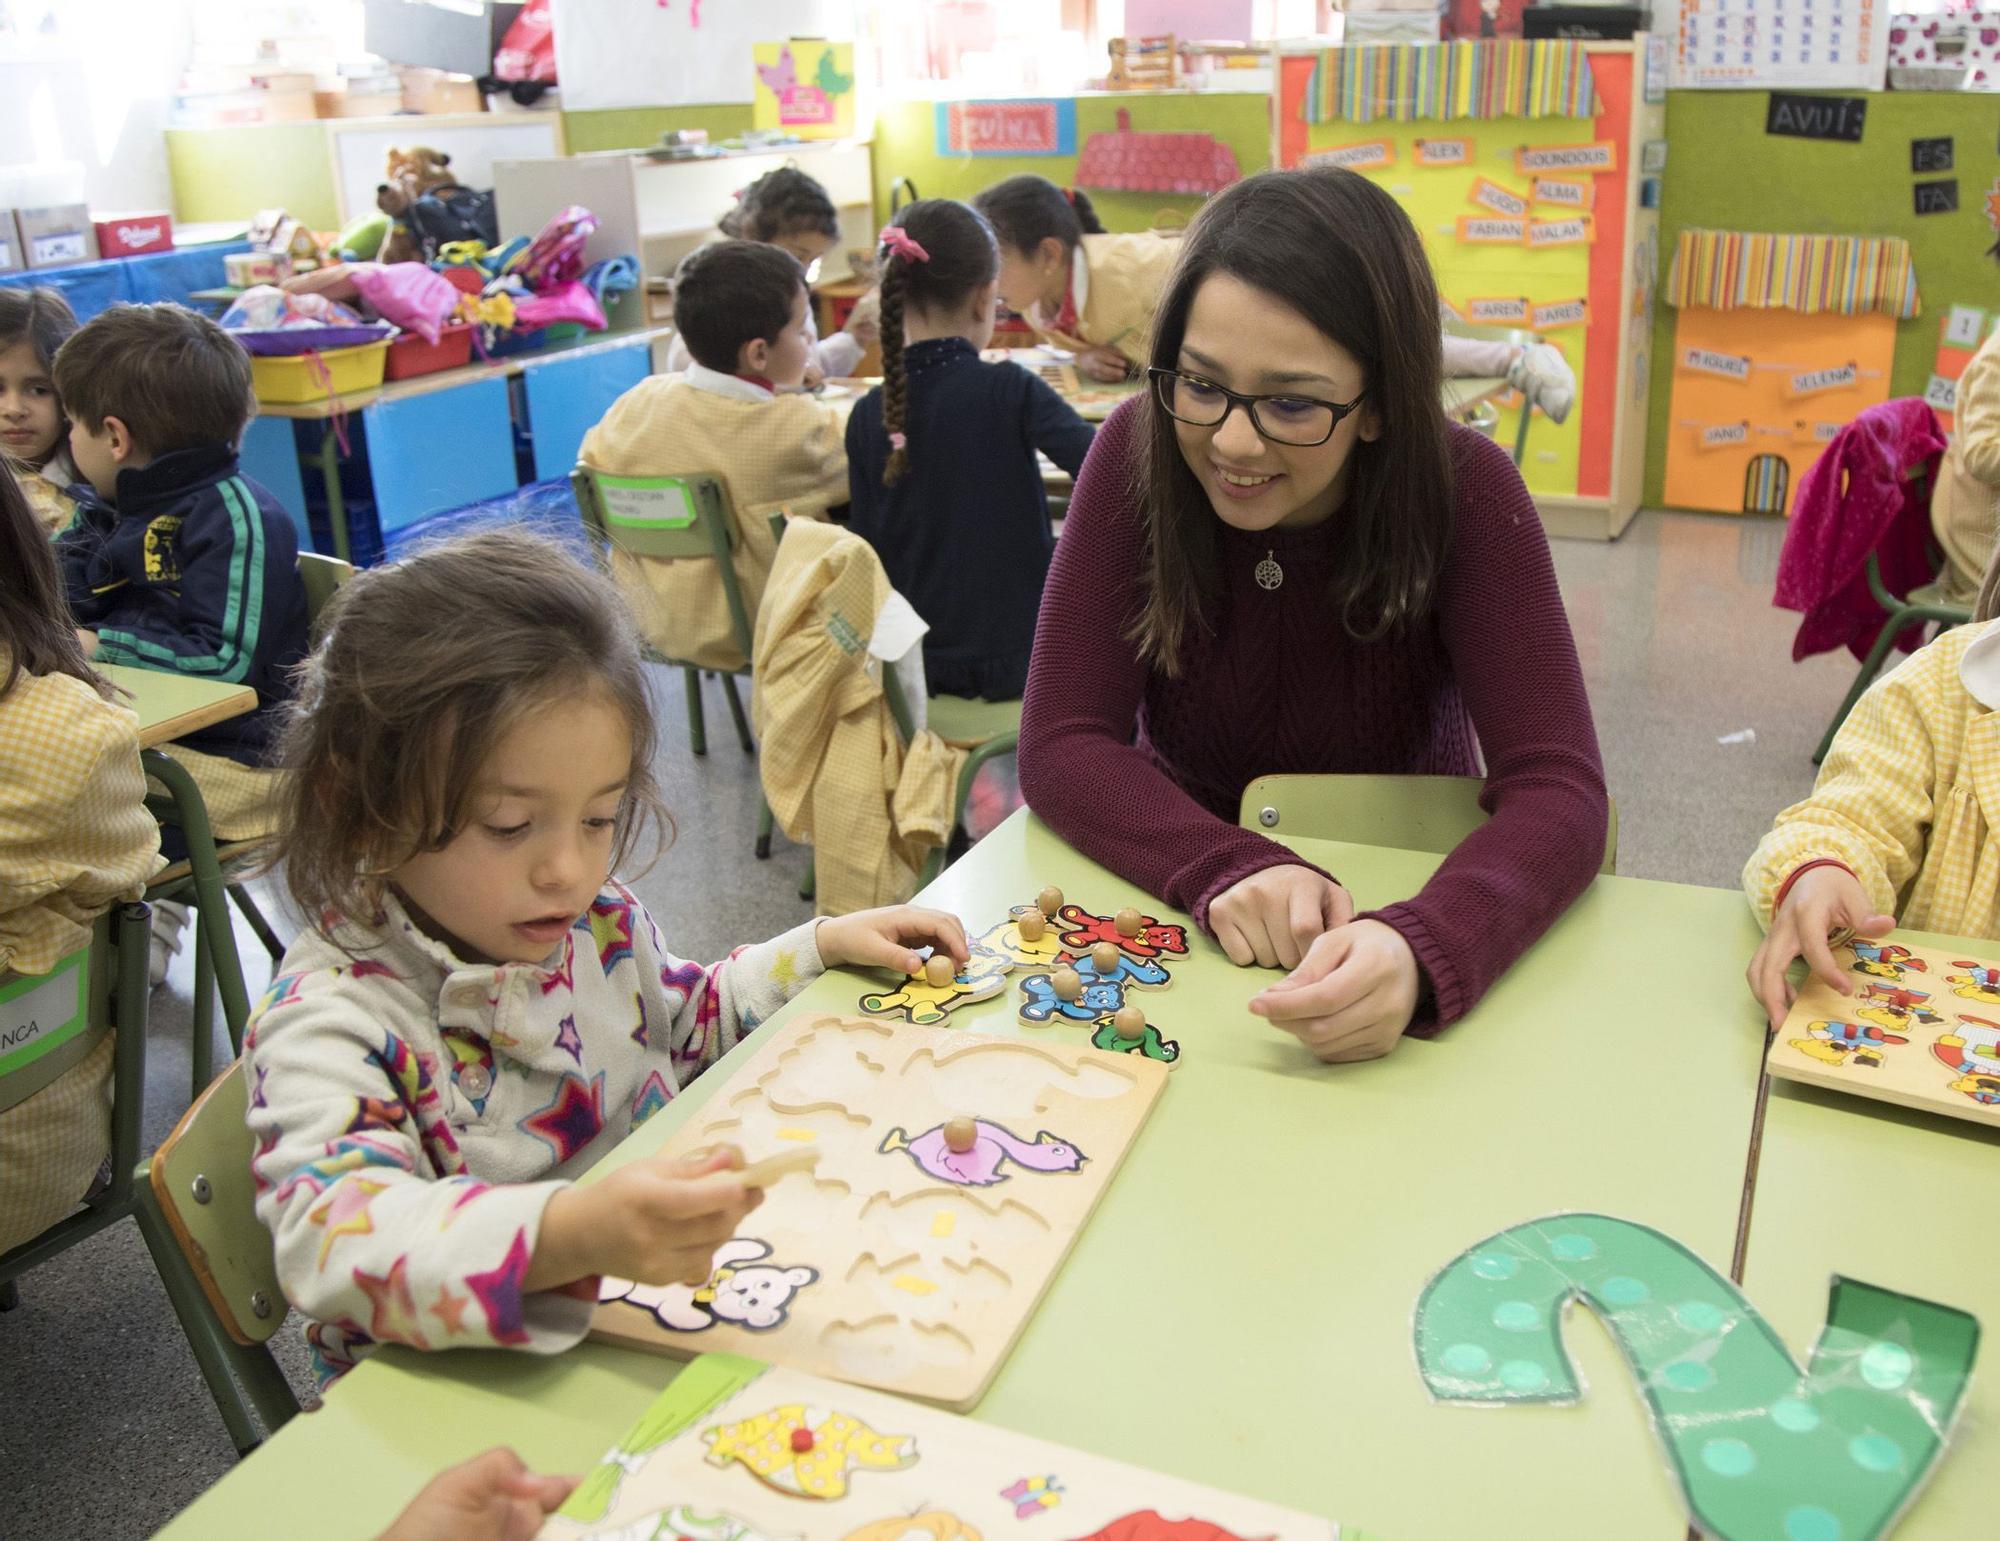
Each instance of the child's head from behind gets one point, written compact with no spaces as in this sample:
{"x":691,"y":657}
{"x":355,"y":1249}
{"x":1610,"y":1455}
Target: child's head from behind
{"x":1039,"y":226}
{"x":472,"y":730}
{"x":939,"y":266}
{"x":786,"y":209}
{"x":33,"y":325}
{"x":741,"y":309}
{"x":142,"y":381}
{"x":1311,"y":289}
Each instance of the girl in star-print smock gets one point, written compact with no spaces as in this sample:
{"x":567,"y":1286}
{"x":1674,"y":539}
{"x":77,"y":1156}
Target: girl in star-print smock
{"x":481,"y":1011}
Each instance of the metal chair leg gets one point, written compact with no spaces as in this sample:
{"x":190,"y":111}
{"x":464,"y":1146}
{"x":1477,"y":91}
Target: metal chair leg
{"x":197,"y":1322}
{"x":10,"y":1295}
{"x":1885,"y":639}
{"x":736,"y":711}
{"x":201,"y":1050}
{"x":809,"y":884}
{"x":697,"y":728}
{"x":765,"y":823}
{"x":257,"y":921}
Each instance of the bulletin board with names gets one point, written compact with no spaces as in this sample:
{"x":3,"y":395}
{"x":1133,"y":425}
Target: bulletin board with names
{"x":1756,"y":45}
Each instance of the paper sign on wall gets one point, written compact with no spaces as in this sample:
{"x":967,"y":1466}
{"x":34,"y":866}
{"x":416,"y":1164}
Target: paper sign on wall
{"x":1369,"y":155}
{"x":1544,"y":233}
{"x":1566,"y":192}
{"x":1007,"y":128}
{"x":1963,"y":326}
{"x":1724,"y":435}
{"x":1812,"y":382}
{"x":1930,"y":156}
{"x":1942,"y":394}
{"x":1939,"y":197}
{"x":1444,"y":152}
{"x":805,"y":86}
{"x":1557,"y":314}
{"x":1706,"y":361}
{"x":1499,"y":311}
{"x":1558,"y":158}
{"x":1841,"y":118}
{"x":1491,"y":195}
{"x":1491,"y":232}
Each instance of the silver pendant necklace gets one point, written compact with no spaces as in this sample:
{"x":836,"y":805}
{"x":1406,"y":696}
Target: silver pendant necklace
{"x":1268,"y":573}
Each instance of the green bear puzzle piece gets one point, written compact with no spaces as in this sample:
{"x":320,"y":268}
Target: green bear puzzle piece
{"x":1759,"y":1448}
{"x":1149,"y":1042}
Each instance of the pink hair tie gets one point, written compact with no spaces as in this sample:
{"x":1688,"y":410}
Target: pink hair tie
{"x":898,"y":441}
{"x":899,"y":244}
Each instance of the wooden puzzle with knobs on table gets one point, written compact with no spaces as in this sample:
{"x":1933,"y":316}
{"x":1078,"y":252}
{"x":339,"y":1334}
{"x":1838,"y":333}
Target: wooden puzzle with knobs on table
{"x":922,"y":1187}
{"x":735,"y":1450}
{"x":1921,"y":1029}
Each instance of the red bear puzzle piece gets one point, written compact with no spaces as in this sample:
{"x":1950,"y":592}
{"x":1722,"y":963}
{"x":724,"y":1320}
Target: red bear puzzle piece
{"x":1086,"y":930}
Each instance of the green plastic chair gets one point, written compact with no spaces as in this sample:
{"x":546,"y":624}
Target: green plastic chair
{"x":197,"y":1211}
{"x":1921,"y":606}
{"x":100,"y":988}
{"x":1489,"y":420}
{"x":1409,"y":813}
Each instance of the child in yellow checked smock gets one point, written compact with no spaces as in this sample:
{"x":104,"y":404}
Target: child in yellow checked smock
{"x":1899,"y":829}
{"x":480,"y":1011}
{"x":75,"y":837}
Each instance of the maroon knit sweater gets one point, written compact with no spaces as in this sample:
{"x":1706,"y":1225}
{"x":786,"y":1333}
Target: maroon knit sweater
{"x":1144,"y":774}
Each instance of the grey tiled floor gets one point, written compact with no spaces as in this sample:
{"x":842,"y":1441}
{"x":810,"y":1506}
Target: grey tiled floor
{"x":105,"y":1426}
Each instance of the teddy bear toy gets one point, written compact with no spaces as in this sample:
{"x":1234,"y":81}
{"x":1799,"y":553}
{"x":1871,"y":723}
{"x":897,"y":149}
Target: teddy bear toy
{"x":428,"y":208}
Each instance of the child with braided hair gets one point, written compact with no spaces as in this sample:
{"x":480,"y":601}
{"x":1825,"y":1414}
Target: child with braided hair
{"x":942,"y":476}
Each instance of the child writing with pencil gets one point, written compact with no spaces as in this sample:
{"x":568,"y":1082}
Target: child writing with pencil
{"x":942,"y":474}
{"x":1898,"y":829}
{"x":481,"y":1010}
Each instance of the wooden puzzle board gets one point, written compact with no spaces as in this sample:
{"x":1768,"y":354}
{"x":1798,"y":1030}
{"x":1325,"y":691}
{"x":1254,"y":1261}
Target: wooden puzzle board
{"x":1922,"y":1030}
{"x":897,"y":1263}
{"x":717,"y":1458}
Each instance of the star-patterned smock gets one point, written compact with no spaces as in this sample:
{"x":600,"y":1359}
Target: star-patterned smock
{"x":413,"y":1113}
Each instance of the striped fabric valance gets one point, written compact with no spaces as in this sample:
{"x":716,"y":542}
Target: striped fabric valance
{"x":1497,"y":78}
{"x":1844,"y":275}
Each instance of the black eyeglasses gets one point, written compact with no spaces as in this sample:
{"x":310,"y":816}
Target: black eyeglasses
{"x":1299,"y":421}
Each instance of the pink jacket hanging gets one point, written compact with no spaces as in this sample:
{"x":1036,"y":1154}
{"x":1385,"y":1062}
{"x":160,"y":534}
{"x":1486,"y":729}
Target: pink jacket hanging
{"x":1868,"y":492}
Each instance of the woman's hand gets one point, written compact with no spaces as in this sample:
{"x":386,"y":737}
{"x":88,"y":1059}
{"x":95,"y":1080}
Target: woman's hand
{"x":1352,"y":996}
{"x":657,"y":1221}
{"x":887,"y":938}
{"x":492,"y":1497}
{"x":1823,"y":901}
{"x":1107,"y":366}
{"x":1271,"y":917}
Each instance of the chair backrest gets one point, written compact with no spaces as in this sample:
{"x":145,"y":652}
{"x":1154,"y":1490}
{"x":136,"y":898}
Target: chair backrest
{"x":676,"y":517}
{"x":1411,"y":813}
{"x":320,"y":576}
{"x":200,"y":1179}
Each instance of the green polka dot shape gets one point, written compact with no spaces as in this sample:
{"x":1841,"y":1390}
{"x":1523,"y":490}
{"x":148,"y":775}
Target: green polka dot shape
{"x":1760,"y":1447}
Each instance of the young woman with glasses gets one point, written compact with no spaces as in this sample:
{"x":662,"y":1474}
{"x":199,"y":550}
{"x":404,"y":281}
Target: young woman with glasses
{"x":1284,"y":558}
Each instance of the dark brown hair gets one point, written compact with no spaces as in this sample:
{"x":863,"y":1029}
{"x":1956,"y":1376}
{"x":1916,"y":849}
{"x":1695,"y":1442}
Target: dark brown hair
{"x":778,"y":203}
{"x":42,"y":319}
{"x":36,"y":632}
{"x":1026,"y":210}
{"x":424,"y":665}
{"x":1332,"y":246}
{"x":175,"y":379}
{"x":960,"y":257}
{"x":731,"y":293}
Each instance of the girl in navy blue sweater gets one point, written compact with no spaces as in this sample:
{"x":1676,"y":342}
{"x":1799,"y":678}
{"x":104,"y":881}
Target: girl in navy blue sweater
{"x":941,"y":456}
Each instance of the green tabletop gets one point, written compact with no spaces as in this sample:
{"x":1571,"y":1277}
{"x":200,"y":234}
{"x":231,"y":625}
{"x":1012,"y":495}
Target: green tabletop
{"x":1238,"y":1309}
{"x":1897,"y":1198}
{"x":173,"y":705}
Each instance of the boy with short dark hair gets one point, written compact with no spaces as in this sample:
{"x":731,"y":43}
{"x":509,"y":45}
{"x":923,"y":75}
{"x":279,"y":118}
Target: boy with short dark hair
{"x":175,"y":560}
{"x":741,"y":308}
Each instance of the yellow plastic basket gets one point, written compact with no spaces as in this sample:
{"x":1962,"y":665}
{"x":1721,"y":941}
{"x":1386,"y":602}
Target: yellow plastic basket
{"x":297,"y":377}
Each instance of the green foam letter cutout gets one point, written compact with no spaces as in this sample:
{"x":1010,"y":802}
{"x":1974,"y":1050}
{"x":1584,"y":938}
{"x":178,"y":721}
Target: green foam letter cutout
{"x":1760,"y":1448}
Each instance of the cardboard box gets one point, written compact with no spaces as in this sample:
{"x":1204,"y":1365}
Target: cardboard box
{"x":10,"y":243}
{"x":56,"y":235}
{"x":133,"y":235}
{"x":434,"y":91}
{"x":247,"y":269}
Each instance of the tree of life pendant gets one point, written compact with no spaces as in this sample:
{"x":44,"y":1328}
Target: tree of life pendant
{"x":1268,"y":573}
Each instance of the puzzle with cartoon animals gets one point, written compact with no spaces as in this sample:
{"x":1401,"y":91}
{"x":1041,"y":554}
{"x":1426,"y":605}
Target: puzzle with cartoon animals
{"x":1922,"y":1029}
{"x":735,"y":1450}
{"x":1078,"y":969}
{"x":954,"y":1173}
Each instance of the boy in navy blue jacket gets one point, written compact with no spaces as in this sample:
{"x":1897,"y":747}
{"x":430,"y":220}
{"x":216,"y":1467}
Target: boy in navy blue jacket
{"x":175,"y":560}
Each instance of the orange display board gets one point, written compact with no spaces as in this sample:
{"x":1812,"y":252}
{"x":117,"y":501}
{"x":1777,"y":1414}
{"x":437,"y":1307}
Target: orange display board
{"x":1757,"y":395}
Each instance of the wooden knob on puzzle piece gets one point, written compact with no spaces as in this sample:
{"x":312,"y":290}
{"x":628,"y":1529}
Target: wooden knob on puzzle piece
{"x":1104,"y":957}
{"x":1032,"y":925}
{"x":1127,"y":921}
{"x":1049,"y":900}
{"x":1067,"y":983}
{"x":1129,"y":1021}
{"x":960,"y":1135}
{"x":939,"y":969}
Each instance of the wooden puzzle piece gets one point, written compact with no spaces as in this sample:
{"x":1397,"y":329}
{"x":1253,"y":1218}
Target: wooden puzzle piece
{"x":1006,"y":941}
{"x":1839,"y":1043}
{"x":808,"y":1452}
{"x":1041,"y":1002}
{"x":1079,"y":929}
{"x":1111,"y":1036}
{"x":1886,"y":960}
{"x":1106,"y":964}
{"x":1978,"y":983}
{"x":993,"y":1147}
{"x":918,"y":1000}
{"x":743,"y":1291}
{"x":1972,"y":1054}
{"x":1031,"y":1495}
{"x":1898,"y":1007}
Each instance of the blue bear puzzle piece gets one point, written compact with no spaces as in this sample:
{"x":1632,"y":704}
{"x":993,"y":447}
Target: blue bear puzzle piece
{"x":1099,"y":997}
{"x":1127,"y":971}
